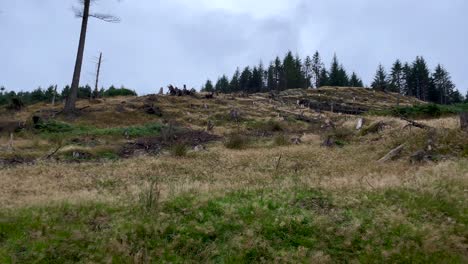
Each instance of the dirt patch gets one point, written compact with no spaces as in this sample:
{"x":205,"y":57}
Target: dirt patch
{"x":154,"y":145}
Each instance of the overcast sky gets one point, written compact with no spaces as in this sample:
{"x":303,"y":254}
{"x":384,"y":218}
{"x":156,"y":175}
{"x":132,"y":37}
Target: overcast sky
{"x":185,"y":41}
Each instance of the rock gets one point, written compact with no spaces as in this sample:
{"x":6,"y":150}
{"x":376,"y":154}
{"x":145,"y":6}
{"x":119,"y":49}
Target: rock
{"x":359,"y":123}
{"x":199,"y":148}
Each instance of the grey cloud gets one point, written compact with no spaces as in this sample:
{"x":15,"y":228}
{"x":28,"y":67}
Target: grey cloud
{"x":161,"y":42}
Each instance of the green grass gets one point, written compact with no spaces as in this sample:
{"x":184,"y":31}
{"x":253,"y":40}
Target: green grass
{"x":301,"y":225}
{"x":424,"y":111}
{"x":55,"y":127}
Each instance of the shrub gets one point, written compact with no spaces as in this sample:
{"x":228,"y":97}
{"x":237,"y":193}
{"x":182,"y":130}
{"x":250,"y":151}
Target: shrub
{"x":281,"y":140}
{"x":179,"y":150}
{"x":236,"y":141}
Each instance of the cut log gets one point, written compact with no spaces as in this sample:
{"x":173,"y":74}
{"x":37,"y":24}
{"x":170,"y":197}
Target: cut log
{"x":393,"y":153}
{"x":464,"y":121}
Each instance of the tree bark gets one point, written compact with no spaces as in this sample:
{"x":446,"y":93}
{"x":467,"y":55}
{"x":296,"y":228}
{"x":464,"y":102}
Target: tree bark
{"x":464,"y":121}
{"x":70,"y":105}
{"x":96,"y":88}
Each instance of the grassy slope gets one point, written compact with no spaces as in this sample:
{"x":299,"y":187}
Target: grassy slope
{"x":269,"y":202}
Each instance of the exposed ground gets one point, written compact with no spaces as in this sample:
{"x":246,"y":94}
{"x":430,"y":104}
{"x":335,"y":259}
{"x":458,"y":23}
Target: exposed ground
{"x":126,"y":186}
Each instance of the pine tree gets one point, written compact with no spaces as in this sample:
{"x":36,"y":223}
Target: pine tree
{"x":256,"y":82}
{"x":244,"y":81}
{"x":222,"y":85}
{"x":279,"y":75}
{"x":208,"y":87}
{"x":317,"y":67}
{"x":234,"y":85}
{"x":420,"y":81}
{"x":323,"y":78}
{"x":396,"y":77}
{"x":355,"y":81}
{"x":343,"y":77}
{"x":261,"y":71}
{"x":406,"y":88}
{"x":442,"y":85}
{"x":380,"y":82}
{"x":289,"y":66}
{"x":271,"y":82}
{"x":334,"y":75}
{"x":307,"y":70}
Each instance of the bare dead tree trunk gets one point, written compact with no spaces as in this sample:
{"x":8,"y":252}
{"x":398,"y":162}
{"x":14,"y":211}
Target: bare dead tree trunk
{"x":464,"y":121}
{"x":70,"y":105}
{"x":96,"y":88}
{"x":54,"y":95}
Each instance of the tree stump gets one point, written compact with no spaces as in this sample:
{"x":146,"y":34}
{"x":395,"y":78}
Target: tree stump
{"x":464,"y":121}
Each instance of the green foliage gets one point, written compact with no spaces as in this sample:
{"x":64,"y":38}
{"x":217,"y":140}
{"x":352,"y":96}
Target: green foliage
{"x":236,"y":141}
{"x":299,"y":225}
{"x":424,"y":111}
{"x":281,"y":140}
{"x":179,"y":150}
{"x":122,"y":91}
{"x":55,"y":127}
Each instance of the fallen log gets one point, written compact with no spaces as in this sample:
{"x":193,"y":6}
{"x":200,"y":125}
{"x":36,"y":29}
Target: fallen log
{"x":415,"y":124}
{"x":393,"y":153}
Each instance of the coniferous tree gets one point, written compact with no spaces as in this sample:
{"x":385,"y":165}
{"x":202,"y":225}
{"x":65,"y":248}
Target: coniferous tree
{"x":343,"y":78}
{"x":290,"y":74}
{"x":355,"y":81}
{"x":324,"y":77}
{"x":279,"y":75}
{"x":420,"y":81}
{"x":222,"y":85}
{"x":406,"y":88}
{"x":442,"y":86}
{"x":234,"y":85}
{"x":208,"y":87}
{"x":271,"y":81}
{"x":244,"y":81}
{"x":380,"y":82}
{"x":334,"y":75}
{"x":307,"y":70}
{"x":317,"y":67}
{"x":396,"y":77}
{"x":261,"y":71}
{"x":256,"y":82}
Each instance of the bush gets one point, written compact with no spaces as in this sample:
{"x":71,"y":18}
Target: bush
{"x":236,"y":141}
{"x":179,"y":150}
{"x":281,"y":140}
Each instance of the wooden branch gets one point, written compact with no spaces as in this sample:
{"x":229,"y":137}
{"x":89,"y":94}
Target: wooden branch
{"x":415,"y":124}
{"x":393,"y":153}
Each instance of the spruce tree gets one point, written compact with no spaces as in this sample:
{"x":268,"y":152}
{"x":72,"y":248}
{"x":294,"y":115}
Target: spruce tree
{"x":256,"y":82}
{"x":406,"y":88}
{"x":289,"y":67}
{"x":207,"y":88}
{"x":271,"y":82}
{"x":442,"y":86}
{"x":279,"y":75}
{"x":234,"y":85}
{"x":396,"y":77}
{"x":335,"y":74}
{"x":222,"y":85}
{"x":323,"y":78}
{"x":244,"y":81}
{"x":420,"y":81}
{"x":380,"y":82}
{"x":355,"y":81}
{"x":308,"y":73}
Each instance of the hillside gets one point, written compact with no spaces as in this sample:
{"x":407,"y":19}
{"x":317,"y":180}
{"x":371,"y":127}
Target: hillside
{"x":237,"y":178}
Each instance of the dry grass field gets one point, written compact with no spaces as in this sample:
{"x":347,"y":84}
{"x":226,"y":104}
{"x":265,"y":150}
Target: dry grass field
{"x":117,"y":185}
